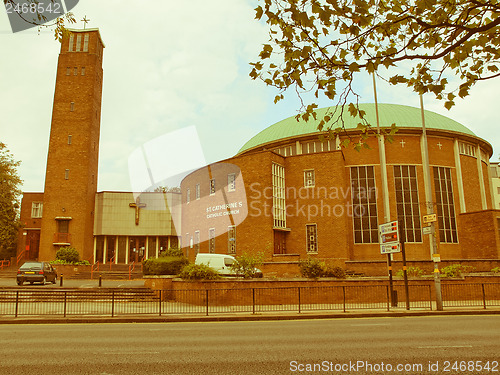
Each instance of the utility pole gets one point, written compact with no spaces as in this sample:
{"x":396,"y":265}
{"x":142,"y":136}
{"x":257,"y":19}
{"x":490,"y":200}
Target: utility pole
{"x":385,"y":189}
{"x":430,"y":210}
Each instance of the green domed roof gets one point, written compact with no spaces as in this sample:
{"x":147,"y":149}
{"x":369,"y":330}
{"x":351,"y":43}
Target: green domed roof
{"x":403,"y":116}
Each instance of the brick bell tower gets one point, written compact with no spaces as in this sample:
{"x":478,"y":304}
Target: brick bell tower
{"x":71,"y":176}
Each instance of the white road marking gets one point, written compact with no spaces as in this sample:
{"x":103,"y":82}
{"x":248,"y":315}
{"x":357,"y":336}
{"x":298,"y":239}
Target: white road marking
{"x":126,"y":352}
{"x":444,"y":346}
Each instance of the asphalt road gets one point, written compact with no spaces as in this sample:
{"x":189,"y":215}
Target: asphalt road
{"x":422,"y":345}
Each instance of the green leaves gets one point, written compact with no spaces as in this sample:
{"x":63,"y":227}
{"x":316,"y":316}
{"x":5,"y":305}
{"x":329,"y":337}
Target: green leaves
{"x":314,"y":44}
{"x":9,"y":203}
{"x":259,"y":12}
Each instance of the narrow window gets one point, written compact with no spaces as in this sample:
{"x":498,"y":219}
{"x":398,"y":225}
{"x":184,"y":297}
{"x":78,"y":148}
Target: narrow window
{"x":36,"y":209}
{"x":196,"y":242}
{"x":312,"y":238}
{"x":188,"y":195}
{"x":63,"y":226}
{"x":407,"y":203}
{"x":83,"y":70}
{"x":63,"y":235}
{"x":364,"y":204}
{"x":211,"y":240}
{"x":445,"y":205}
{"x":279,"y":204}
{"x":66,"y":174}
{"x":197,"y":191}
{"x":86,"y":43}
{"x":309,"y":178}
{"x":212,"y":186}
{"x":71,"y":41}
{"x":75,"y":71}
{"x":72,"y":106}
{"x":231,"y":182}
{"x":69,"y":139}
{"x":78,"y":42}
{"x":68,"y":71}
{"x":231,"y":239}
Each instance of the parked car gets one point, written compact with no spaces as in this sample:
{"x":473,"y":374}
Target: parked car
{"x":221,"y":263}
{"x":40,"y":272}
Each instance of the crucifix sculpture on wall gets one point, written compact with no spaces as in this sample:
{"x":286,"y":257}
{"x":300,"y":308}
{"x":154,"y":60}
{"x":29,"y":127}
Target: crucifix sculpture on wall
{"x":137,"y":205}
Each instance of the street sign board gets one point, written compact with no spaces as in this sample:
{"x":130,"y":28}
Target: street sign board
{"x":427,"y":230}
{"x":430,"y":218}
{"x":389,"y":248}
{"x":389,"y":237}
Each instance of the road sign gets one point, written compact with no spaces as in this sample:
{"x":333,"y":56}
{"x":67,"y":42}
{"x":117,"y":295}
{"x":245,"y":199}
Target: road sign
{"x":430,"y":218}
{"x":427,"y":230}
{"x":389,"y":237}
{"x":389,"y":248}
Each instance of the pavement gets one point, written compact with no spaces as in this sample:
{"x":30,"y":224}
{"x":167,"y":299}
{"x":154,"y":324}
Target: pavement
{"x":76,"y":283}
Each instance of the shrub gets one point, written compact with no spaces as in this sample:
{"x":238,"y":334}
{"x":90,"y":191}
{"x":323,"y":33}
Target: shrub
{"x":79,"y":263}
{"x":165,"y":265}
{"x":455,"y":270}
{"x":311,"y":268}
{"x":334,"y":271}
{"x":198,"y":272}
{"x":496,"y":270}
{"x":172,"y":252}
{"x":411,"y":272}
{"x":67,"y":255}
{"x":247,"y":265}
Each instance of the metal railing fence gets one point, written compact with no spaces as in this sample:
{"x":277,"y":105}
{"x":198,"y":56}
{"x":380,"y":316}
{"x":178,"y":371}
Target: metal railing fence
{"x":117,"y":302}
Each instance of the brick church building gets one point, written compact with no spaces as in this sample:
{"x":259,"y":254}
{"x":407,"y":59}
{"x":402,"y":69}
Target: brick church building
{"x":118,"y":227}
{"x":289,"y":195}
{"x":286,"y":194}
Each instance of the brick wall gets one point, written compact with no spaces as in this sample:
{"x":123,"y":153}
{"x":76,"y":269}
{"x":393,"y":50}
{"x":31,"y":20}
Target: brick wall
{"x":280,"y":292}
{"x":320,"y":206}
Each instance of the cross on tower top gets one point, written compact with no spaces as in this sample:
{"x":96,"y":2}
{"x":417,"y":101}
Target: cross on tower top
{"x":85,"y":21}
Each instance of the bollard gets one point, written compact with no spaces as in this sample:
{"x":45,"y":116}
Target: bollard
{"x":61,"y":280}
{"x":100,"y":281}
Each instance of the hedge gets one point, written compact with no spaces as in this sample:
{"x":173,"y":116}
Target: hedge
{"x":164,"y":265}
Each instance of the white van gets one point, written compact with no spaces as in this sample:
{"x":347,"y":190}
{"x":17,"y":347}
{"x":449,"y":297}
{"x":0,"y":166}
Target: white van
{"x":221,"y":263}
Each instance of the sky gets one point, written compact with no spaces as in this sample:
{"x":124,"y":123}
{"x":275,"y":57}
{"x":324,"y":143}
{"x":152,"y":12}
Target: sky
{"x":171,"y":66}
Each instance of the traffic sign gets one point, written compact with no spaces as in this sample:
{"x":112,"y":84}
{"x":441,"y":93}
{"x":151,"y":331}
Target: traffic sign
{"x":389,"y":248}
{"x":427,"y":230}
{"x":389,"y":237}
{"x":430,"y":218}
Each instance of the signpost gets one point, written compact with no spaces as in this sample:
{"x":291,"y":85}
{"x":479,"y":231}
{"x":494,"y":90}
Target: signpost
{"x":392,"y":240}
{"x":388,"y":235}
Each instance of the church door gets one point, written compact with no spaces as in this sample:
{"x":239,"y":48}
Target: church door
{"x":32,"y":244}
